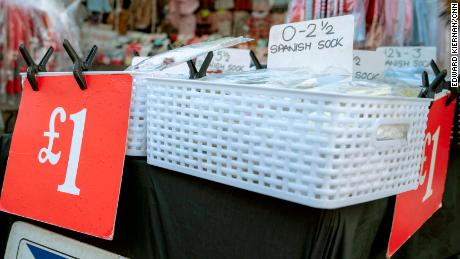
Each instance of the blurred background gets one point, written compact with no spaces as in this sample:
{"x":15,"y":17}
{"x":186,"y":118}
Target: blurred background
{"x":124,"y":28}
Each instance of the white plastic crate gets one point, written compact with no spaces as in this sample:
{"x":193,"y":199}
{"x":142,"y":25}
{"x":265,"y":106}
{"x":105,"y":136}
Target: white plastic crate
{"x":320,"y":150}
{"x":136,"y":144}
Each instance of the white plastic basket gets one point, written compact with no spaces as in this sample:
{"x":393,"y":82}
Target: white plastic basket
{"x":320,"y":150}
{"x":136,"y":144}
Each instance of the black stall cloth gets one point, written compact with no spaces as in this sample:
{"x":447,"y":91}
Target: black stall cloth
{"x":165,"y":214}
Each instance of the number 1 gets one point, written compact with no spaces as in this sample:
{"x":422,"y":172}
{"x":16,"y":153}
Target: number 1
{"x":429,"y":188}
{"x":74,"y":157}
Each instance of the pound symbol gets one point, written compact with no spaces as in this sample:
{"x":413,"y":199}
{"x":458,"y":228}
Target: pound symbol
{"x":46,"y":154}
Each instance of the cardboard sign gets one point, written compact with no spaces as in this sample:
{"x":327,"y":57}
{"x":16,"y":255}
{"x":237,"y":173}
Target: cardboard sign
{"x":400,"y":57}
{"x":27,"y":241}
{"x":228,"y":60}
{"x":180,"y":69}
{"x":415,"y":207}
{"x":67,"y":152}
{"x":368,"y":65}
{"x":316,"y":44}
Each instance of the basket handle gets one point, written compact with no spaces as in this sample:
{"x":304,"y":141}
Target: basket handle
{"x":391,"y":133}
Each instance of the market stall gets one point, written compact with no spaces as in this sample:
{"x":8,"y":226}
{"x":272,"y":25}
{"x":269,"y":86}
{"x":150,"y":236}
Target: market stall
{"x":151,"y":148}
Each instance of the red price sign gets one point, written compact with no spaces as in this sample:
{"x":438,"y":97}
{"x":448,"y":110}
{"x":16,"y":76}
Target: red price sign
{"x":414,"y":208}
{"x":67,"y":153}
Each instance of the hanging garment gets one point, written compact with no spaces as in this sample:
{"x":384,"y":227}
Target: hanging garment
{"x":181,"y":15}
{"x":309,"y":9}
{"x":296,"y":11}
{"x":239,"y":23}
{"x":187,"y":25}
{"x":183,"y":7}
{"x":259,"y":22}
{"x":143,"y":13}
{"x":376,"y":34}
{"x":359,"y":12}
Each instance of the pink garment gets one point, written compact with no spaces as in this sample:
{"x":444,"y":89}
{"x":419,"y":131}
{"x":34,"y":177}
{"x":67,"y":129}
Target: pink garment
{"x":408,"y":20}
{"x":187,"y":25}
{"x":296,"y":12}
{"x":183,"y":7}
{"x":391,"y":20}
{"x":317,"y":7}
{"x":395,"y":20}
{"x":182,"y":17}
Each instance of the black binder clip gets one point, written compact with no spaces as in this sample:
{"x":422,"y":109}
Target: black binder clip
{"x":80,"y":65}
{"x":32,"y":68}
{"x":430,"y":89}
{"x":194,"y":72}
{"x":255,"y":60}
{"x":445,"y":84}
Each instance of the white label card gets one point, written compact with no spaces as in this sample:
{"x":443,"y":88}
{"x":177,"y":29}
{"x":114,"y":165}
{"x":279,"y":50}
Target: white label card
{"x":227,"y":60}
{"x":400,"y":57}
{"x":181,"y":69}
{"x":316,"y":44}
{"x":368,"y":65}
{"x":27,"y":241}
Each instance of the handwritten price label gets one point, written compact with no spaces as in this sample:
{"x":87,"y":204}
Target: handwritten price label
{"x":228,"y":60}
{"x":368,"y":65}
{"x":400,"y":57}
{"x":316,"y":44}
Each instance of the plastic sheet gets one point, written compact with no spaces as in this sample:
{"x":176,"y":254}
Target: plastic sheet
{"x":298,"y":78}
{"x":409,"y":75}
{"x":183,"y":54}
{"x":328,"y":82}
{"x":389,"y":87}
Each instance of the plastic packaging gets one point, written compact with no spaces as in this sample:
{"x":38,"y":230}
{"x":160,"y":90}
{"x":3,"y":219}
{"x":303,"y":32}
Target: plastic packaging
{"x":391,"y":87}
{"x":409,"y":75}
{"x":298,"y":78}
{"x":183,"y":54}
{"x":331,"y":83}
